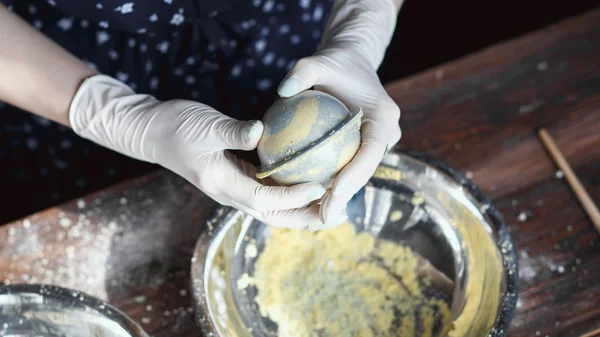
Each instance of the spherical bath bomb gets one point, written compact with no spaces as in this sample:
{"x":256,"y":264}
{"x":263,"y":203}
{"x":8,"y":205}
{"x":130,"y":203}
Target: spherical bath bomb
{"x":309,"y":137}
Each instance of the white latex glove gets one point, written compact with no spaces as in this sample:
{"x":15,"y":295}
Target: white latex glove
{"x":353,"y":45}
{"x":190,"y":139}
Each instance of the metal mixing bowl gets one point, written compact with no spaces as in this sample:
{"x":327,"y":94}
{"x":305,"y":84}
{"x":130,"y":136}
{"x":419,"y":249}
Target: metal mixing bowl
{"x":453,"y":226}
{"x":29,"y":310}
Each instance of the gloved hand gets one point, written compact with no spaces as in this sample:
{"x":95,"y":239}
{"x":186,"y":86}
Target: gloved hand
{"x":191,"y":140}
{"x":345,"y":66}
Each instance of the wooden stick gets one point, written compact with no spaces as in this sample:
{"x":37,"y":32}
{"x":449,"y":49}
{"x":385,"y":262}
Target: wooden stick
{"x":584,"y":198}
{"x":592,"y":333}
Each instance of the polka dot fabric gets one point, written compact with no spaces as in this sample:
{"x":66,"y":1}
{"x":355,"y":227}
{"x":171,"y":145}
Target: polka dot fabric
{"x":228,"y":54}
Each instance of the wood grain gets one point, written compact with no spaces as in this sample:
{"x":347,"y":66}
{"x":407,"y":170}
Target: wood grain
{"x":584,"y":198}
{"x":131,"y":244}
{"x":480,"y":114}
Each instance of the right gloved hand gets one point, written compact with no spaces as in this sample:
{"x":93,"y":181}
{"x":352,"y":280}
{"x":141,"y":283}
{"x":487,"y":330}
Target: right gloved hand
{"x":191,"y":140}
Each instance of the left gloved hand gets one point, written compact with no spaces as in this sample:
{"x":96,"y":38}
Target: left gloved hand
{"x":352,"y":48}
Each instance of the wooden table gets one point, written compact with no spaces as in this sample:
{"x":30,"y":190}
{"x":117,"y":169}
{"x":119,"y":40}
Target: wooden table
{"x":131,"y":244}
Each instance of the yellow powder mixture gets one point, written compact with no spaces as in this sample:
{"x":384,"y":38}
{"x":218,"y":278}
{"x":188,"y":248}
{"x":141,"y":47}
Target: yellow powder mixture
{"x":342,"y":284}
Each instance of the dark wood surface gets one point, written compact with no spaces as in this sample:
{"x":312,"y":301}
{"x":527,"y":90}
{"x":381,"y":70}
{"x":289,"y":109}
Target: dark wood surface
{"x":131,"y":244}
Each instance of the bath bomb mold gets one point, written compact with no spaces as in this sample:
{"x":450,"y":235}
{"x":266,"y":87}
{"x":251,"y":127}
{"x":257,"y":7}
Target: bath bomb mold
{"x":308,"y":137}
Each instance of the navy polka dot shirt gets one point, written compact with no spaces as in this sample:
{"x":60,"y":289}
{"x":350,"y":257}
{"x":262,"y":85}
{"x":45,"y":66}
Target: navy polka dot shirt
{"x":227,"y":54}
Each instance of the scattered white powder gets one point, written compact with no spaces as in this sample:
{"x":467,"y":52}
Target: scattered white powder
{"x":32,"y":247}
{"x":527,"y":272}
{"x":112,"y":226}
{"x":523,"y":254}
{"x":80,"y":203}
{"x":80,"y":248}
{"x":251,"y":251}
{"x":70,"y":252}
{"x":530,"y":266}
{"x":522,"y":216}
{"x":65,"y":222}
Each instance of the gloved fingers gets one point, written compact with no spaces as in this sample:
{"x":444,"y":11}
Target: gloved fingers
{"x":356,"y":174}
{"x":237,"y":135}
{"x":239,"y":185}
{"x":300,"y":218}
{"x":304,"y":75}
{"x":390,"y":113}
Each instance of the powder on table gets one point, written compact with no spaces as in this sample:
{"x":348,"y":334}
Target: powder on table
{"x":339,"y":283}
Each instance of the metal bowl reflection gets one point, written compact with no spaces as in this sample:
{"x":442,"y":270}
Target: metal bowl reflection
{"x":453,"y":226}
{"x":30,"y":310}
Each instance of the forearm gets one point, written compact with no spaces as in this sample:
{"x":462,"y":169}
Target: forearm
{"x":36,"y":74}
{"x":365,"y":26}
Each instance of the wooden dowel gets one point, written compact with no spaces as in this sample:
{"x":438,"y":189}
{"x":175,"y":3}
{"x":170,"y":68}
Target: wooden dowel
{"x":594,"y":333}
{"x":584,"y":198}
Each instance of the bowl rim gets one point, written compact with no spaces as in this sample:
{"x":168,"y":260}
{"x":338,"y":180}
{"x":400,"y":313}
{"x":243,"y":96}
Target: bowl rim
{"x":104,"y":308}
{"x":502,"y":238}
{"x":354,"y":118}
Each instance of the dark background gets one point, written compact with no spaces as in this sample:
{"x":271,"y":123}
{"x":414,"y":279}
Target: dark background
{"x":433,"y":32}
{"x":428,"y":33}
